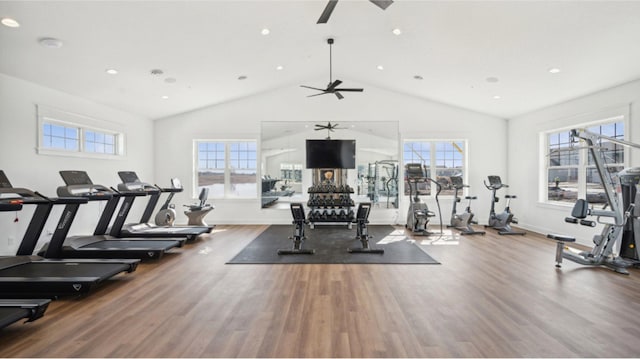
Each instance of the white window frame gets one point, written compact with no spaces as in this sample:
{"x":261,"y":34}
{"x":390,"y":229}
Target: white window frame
{"x":50,"y":115}
{"x":228,"y":194}
{"x":605,"y":117}
{"x":433,"y":164}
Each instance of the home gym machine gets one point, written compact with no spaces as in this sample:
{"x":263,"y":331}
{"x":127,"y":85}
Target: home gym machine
{"x":362,"y":232}
{"x":462,"y":221}
{"x":500,"y":221}
{"x":419,"y":214}
{"x":630,"y":188}
{"x":299,"y":221}
{"x":602,"y":254}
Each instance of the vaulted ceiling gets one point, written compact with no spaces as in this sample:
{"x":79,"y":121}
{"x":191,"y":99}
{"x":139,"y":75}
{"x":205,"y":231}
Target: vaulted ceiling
{"x":491,"y":57}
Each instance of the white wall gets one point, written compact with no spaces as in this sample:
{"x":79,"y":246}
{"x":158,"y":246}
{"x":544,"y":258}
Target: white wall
{"x":241,"y":119}
{"x":25,"y":168}
{"x":524,"y":154}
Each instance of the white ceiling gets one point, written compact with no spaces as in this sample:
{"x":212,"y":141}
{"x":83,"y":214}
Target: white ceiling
{"x":206,"y":45}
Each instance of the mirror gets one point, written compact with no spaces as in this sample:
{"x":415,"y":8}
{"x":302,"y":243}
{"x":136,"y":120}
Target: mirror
{"x":285,"y":178}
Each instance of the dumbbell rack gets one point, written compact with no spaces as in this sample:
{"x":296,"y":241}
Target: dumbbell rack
{"x":330,"y":203}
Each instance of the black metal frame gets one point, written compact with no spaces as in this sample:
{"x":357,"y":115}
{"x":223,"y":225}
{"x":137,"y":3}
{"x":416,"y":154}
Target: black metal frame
{"x":299,"y":222}
{"x":362,"y":232}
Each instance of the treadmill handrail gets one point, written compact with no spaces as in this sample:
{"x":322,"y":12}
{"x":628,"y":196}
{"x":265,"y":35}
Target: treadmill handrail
{"x":92,"y":192}
{"x":138,"y":186}
{"x":27,"y":196}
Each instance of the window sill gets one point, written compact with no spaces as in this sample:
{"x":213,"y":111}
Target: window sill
{"x":52,"y":152}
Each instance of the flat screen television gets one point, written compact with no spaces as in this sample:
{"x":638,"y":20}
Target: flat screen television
{"x":331,"y":153}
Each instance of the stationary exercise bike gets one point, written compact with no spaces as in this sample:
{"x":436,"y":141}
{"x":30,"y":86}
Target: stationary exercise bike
{"x":462,"y":221}
{"x":500,"y":221}
{"x":419,"y":214}
{"x":167,"y":213}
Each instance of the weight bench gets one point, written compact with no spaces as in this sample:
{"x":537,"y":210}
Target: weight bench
{"x":362,"y":233}
{"x":299,"y":221}
{"x":560,"y":243}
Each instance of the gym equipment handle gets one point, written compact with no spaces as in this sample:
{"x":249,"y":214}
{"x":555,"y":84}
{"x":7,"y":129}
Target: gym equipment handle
{"x":588,"y":223}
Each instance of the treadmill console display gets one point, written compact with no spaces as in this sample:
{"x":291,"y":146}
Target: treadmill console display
{"x":128,"y":177}
{"x":75,"y":178}
{"x":4,"y":181}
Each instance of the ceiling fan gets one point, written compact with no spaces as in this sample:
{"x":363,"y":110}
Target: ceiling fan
{"x":329,"y":127}
{"x":332,"y":87}
{"x":383,"y":4}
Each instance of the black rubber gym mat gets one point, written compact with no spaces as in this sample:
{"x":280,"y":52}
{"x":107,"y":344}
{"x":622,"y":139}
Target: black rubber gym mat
{"x":331,"y":244}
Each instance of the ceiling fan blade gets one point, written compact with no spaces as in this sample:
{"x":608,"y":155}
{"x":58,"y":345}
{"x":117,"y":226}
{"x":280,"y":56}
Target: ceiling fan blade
{"x":349,"y":90}
{"x":327,"y":12}
{"x":340,"y":97}
{"x":318,"y":94}
{"x":333,"y":85}
{"x":313,"y":88}
{"x":383,"y":4}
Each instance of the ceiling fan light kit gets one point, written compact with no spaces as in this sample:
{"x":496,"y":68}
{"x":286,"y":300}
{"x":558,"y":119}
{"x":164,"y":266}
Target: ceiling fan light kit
{"x":332,"y":87}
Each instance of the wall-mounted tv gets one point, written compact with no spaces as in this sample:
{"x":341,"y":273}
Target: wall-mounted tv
{"x":331,"y":153}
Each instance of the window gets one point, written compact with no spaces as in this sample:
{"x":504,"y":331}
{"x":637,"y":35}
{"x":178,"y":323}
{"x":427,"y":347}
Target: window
{"x":571,"y":171}
{"x":227,"y":168}
{"x":442,"y":158}
{"x":63,"y":133}
{"x":60,"y":137}
{"x":291,"y":172}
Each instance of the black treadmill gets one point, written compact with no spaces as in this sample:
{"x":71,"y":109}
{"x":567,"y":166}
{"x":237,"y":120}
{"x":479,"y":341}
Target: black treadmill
{"x":28,"y":276}
{"x":13,"y":310}
{"x":99,"y":245}
{"x":131,"y":182}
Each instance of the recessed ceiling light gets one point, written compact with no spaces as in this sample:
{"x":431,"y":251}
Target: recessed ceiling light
{"x":265,"y":31}
{"x":554,"y":70}
{"x":111,"y":71}
{"x":50,"y":42}
{"x":165,"y":97}
{"x":418,"y":77}
{"x":242,"y":77}
{"x":380,"y":67}
{"x":492,"y":79}
{"x":497,"y":97}
{"x":396,"y":31}
{"x":9,"y":22}
{"x":279,"y":67}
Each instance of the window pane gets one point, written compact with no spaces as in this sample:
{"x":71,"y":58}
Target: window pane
{"x":563,"y":184}
{"x":212,"y":179}
{"x":243,"y":183}
{"x":595,"y":188}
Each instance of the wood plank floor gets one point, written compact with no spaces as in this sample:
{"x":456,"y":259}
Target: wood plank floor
{"x":492,"y":296}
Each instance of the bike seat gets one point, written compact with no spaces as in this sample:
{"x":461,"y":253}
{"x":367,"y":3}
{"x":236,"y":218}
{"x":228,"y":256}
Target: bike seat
{"x":561,"y":238}
{"x":510,"y":196}
{"x":471,"y":197}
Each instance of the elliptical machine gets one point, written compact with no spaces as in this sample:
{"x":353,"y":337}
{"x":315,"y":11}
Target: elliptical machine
{"x":462,"y":221}
{"x":500,"y":221}
{"x":419,"y":214}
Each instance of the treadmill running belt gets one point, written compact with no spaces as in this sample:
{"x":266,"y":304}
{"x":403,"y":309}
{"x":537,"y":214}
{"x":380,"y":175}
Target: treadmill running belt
{"x":66,"y":270}
{"x":12,"y":315}
{"x":140,"y":245}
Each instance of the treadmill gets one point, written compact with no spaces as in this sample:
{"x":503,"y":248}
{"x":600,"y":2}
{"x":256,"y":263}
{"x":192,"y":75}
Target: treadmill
{"x":99,"y":245}
{"x":13,"y":310}
{"x":29,"y":276}
{"x":131,"y":182}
